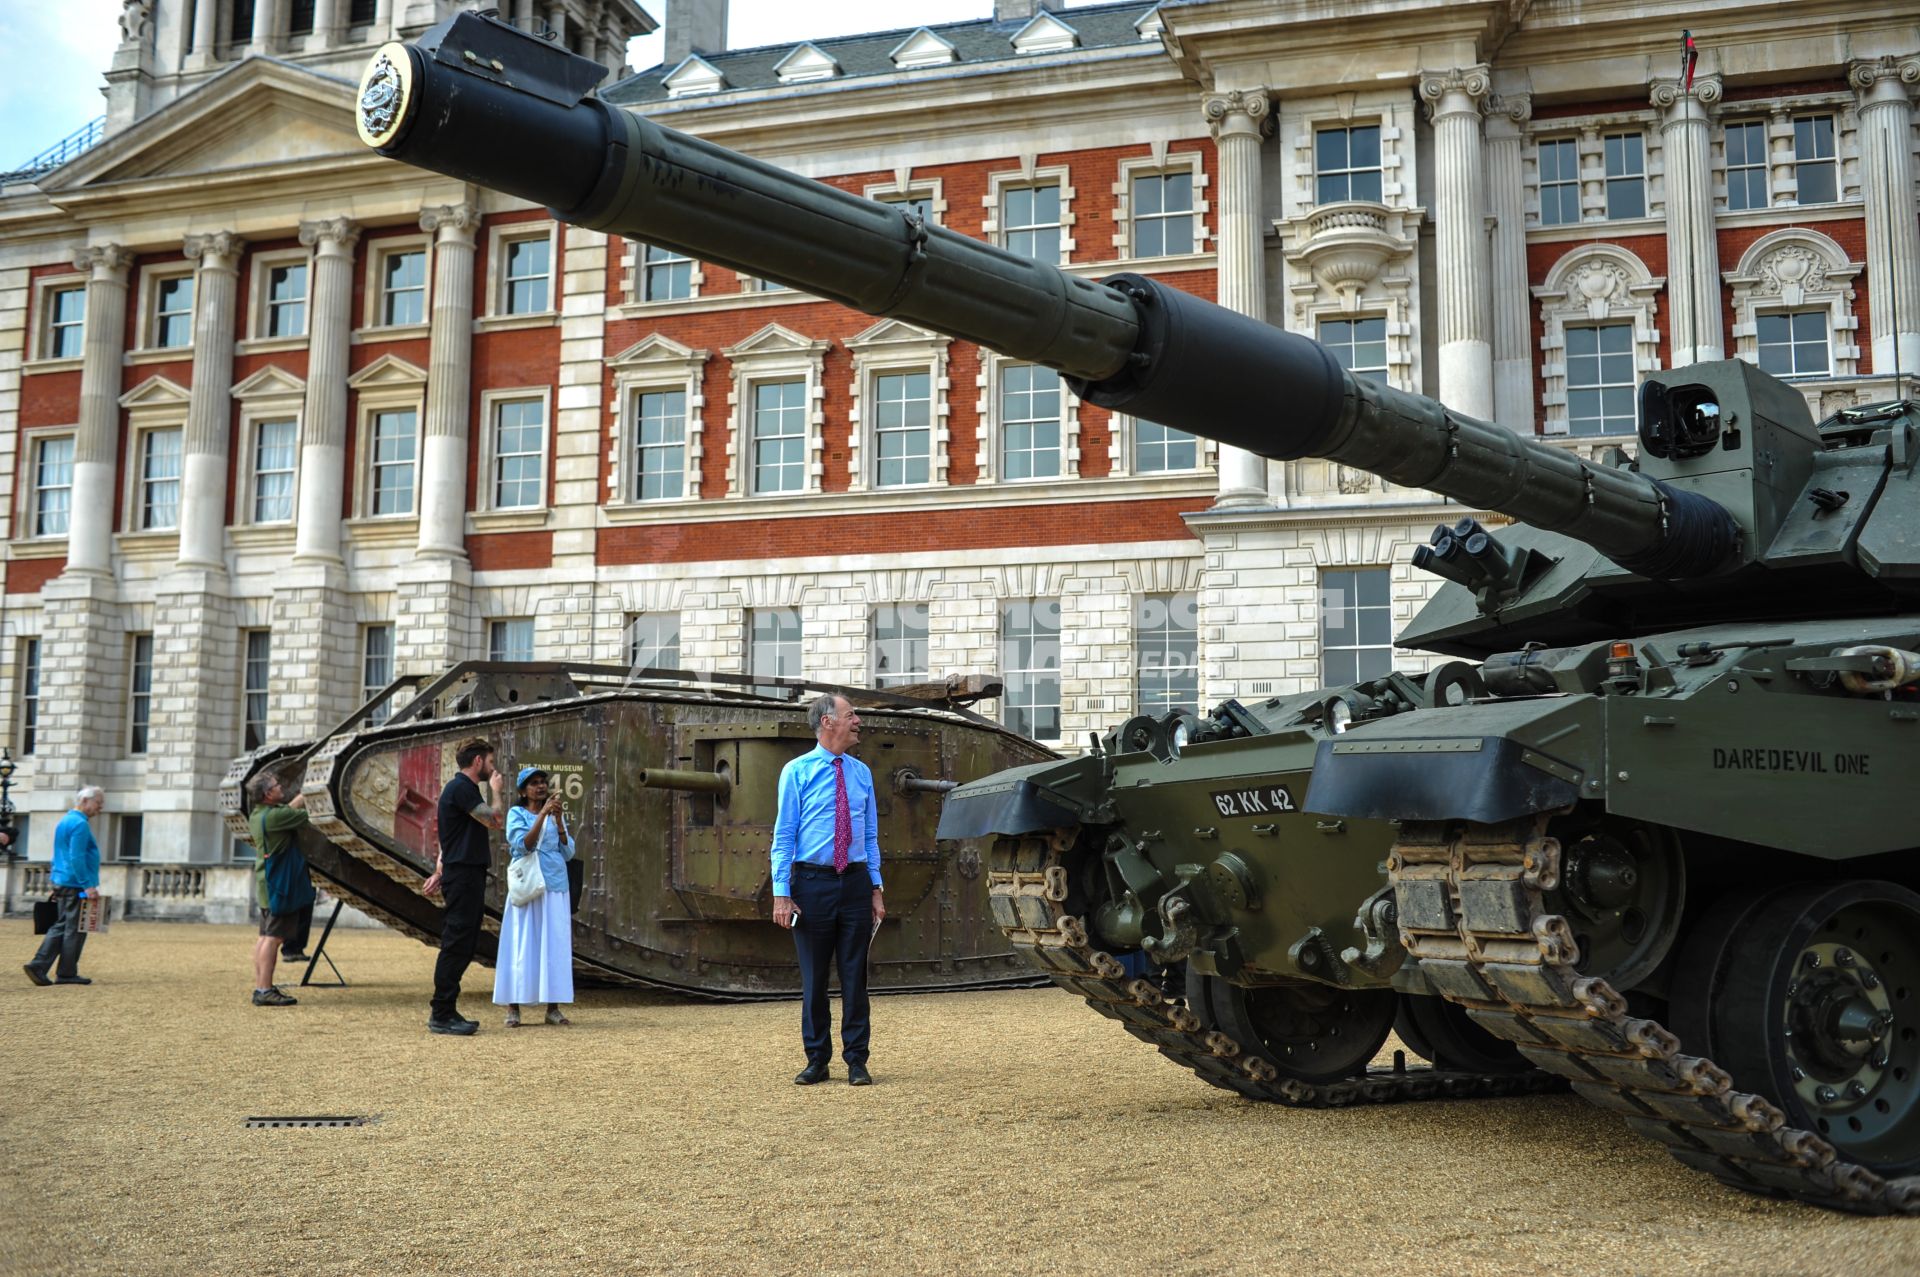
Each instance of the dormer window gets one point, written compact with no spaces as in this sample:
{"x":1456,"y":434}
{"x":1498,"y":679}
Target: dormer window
{"x":694,"y":76}
{"x":808,"y":62}
{"x":923,"y":49}
{"x":1045,"y":34}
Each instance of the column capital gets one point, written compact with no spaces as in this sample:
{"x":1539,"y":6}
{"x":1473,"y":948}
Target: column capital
{"x":1882,"y":80}
{"x":336,"y":233}
{"x":1247,"y":112}
{"x":1667,"y":95}
{"x":105,"y":261}
{"x":1517,"y":107}
{"x":216,"y":250}
{"x":452,"y":222}
{"x":1458,"y":90}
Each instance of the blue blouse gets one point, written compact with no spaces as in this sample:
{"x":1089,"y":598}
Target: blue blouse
{"x":554,"y":853}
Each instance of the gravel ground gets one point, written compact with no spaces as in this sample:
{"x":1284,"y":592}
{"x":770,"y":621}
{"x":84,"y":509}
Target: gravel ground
{"x":1009,"y":1131}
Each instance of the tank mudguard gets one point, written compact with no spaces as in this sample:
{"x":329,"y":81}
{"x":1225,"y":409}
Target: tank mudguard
{"x":1486,"y":779}
{"x":1018,"y":801}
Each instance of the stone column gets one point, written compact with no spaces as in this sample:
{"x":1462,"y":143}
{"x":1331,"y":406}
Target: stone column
{"x":1240,"y":121}
{"x":329,"y":24}
{"x":1513,"y":398}
{"x":323,"y":419}
{"x":1460,"y":230}
{"x":269,"y":19}
{"x":206,"y":19}
{"x":1693,"y":254}
{"x":1885,"y":91}
{"x":203,"y":474}
{"x":97,"y":438}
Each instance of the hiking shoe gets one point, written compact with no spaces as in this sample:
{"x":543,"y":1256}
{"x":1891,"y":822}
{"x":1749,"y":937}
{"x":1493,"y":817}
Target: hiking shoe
{"x":273,"y":998}
{"x":36,"y":975}
{"x":457,"y":1027}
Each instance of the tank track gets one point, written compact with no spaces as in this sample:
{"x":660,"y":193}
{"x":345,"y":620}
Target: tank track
{"x":1028,"y":885}
{"x":1472,"y":913}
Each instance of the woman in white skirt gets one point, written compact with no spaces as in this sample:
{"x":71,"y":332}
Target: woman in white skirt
{"x":536,"y":940}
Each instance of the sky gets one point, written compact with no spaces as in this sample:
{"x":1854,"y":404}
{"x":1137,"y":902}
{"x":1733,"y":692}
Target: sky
{"x":52,"y":55}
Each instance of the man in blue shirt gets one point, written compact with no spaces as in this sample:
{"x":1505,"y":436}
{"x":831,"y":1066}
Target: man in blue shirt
{"x":76,"y":875}
{"x":826,"y":884}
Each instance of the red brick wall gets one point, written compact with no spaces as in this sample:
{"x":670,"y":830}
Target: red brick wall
{"x":27,"y":576}
{"x":504,"y":551}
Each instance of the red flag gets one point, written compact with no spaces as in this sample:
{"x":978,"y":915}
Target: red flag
{"x":1689,"y":56}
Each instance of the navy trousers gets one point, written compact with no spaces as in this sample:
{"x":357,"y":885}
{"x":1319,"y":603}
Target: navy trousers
{"x":65,"y":940}
{"x":835,"y":928}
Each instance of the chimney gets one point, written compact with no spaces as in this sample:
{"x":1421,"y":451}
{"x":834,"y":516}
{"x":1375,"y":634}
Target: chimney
{"x":1023,"y":11}
{"x":695,"y":26}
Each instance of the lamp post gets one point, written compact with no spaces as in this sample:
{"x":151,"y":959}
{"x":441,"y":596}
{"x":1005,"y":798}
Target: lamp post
{"x":6,"y":800}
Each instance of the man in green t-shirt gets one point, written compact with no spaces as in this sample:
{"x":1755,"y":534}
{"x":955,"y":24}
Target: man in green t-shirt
{"x":285,"y":887}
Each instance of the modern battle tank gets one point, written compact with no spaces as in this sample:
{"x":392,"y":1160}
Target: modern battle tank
{"x":1672,"y":779}
{"x":670,"y":779}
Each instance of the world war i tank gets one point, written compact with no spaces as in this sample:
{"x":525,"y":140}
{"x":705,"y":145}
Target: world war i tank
{"x":1644,"y":838}
{"x":670,"y":778}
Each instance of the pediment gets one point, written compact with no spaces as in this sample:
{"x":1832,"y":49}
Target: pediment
{"x":156,"y":393}
{"x":923,"y":49}
{"x":1045,"y":34}
{"x":270,"y":382}
{"x":388,"y":370}
{"x":775,"y":339}
{"x":806,"y":62}
{"x":656,"y":349}
{"x":258,"y":113}
{"x":695,"y":75}
{"x":894,"y":332}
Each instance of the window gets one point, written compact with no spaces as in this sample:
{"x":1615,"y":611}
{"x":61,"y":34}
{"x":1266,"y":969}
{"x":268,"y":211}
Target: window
{"x":1359,"y":344}
{"x":510,"y":640}
{"x":287,"y":300}
{"x":1356,"y":626}
{"x":528,"y":272}
{"x":1030,"y":666}
{"x":299,"y":17}
{"x":1559,"y":182}
{"x":1747,"y":164}
{"x":376,"y":669}
{"x":173,"y":311}
{"x":779,"y":436}
{"x":1029,"y":422}
{"x":394,"y":443}
{"x":66,"y":323}
{"x":1166,"y":653}
{"x":361,"y":12}
{"x":1030,"y":222}
{"x":1626,"y":175}
{"x":1813,"y":164}
{"x":664,"y":274}
{"x":660,"y":448}
{"x":403,"y":288}
{"x":273,"y":446}
{"x":1346,"y":164}
{"x":903,"y":428}
{"x":1600,"y":379}
{"x":920,"y":204}
{"x":140,"y":702}
{"x":253,"y":711}
{"x":899,"y":652}
{"x":240,"y":27}
{"x":653,"y":640}
{"x":29,"y":694}
{"x":1163,"y":214}
{"x":1794,"y":344}
{"x":159,"y":489}
{"x":129,"y":831}
{"x":1159,"y":448}
{"x":519,"y":453}
{"x":773,"y":644}
{"x":52,"y":486}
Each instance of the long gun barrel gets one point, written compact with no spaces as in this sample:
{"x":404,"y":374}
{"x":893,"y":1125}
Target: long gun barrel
{"x":478,"y":100}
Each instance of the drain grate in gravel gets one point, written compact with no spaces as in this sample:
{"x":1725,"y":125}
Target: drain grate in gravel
{"x":269,"y":1123}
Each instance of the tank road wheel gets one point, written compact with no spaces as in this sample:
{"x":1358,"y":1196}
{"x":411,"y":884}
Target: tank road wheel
{"x":1312,"y":1032}
{"x":1818,"y":1008}
{"x":1443,"y":1032}
{"x":1622,"y":888}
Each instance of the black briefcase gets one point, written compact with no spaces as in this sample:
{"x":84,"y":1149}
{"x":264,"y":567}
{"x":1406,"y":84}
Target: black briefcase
{"x":45,"y":912}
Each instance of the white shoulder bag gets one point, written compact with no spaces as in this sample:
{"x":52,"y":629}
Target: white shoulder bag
{"x":525,"y":882}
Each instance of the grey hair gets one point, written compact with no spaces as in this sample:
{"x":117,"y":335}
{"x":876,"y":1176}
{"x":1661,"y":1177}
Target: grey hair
{"x":263,"y":781}
{"x":824,"y":704}
{"x":87,"y":792}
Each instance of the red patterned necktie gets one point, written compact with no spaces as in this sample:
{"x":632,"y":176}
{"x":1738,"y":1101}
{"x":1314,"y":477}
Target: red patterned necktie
{"x":842,"y":817}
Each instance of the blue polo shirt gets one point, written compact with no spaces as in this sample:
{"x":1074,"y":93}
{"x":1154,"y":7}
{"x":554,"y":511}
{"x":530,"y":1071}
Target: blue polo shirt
{"x":803,"y":829}
{"x":76,"y":856}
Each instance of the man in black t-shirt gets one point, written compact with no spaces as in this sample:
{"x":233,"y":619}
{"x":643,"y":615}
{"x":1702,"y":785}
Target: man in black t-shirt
{"x":460,"y":874}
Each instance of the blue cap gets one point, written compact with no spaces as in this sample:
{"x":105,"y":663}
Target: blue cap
{"x":527,"y":774}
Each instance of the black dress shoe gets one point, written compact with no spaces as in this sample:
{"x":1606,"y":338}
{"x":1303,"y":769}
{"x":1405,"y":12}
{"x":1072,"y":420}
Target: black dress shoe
{"x":811,"y":1074}
{"x":36,"y":975}
{"x":857,"y":1075}
{"x":457,"y":1027}
{"x":71,"y":979}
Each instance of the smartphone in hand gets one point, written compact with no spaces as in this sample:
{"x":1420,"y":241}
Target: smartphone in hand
{"x":793,"y":919}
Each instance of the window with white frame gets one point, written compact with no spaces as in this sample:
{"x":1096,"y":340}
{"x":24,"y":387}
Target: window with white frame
{"x":129,"y":832}
{"x":285,"y":300}
{"x":1356,"y":625}
{"x":393,"y":435}
{"x":1031,"y":402}
{"x":157,"y":485}
{"x":519,"y":447}
{"x":1595,"y":284}
{"x":52,"y":496}
{"x":172,"y":322}
{"x":274,"y":443}
{"x":1559,"y":160}
{"x":1030,"y":221}
{"x":664,"y":274}
{"x":1794,"y":343}
{"x":64,"y":335}
{"x":376,"y":669}
{"x":898,"y":644}
{"x":257,"y":669}
{"x":510,"y":639}
{"x":1626,"y":170}
{"x":773,"y":643}
{"x":29,"y":694}
{"x":1166,"y":653}
{"x":653,"y":640}
{"x":1815,"y":171}
{"x":660,"y":444}
{"x":1158,"y":448}
{"x":1600,"y":379}
{"x":1163,"y":218}
{"x":140,"y":691}
{"x":526,"y":275}
{"x":902,"y":406}
{"x":1359,"y":344}
{"x":1746,"y":164}
{"x":1030,"y":666}
{"x":779,"y":433}
{"x":401,"y":275}
{"x":1346,"y":164}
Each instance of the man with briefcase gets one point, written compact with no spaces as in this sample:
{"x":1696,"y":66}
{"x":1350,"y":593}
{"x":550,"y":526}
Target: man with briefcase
{"x":76,"y":875}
